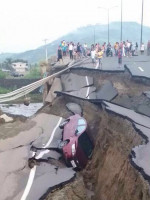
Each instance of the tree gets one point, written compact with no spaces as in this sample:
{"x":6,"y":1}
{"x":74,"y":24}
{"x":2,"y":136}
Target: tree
{"x":7,"y":63}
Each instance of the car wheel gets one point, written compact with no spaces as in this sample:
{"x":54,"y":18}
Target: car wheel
{"x":68,"y":164}
{"x":61,"y":126}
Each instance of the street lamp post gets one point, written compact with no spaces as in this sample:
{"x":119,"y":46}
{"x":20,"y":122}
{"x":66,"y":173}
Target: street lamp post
{"x":108,"y":9}
{"x":108,"y":25}
{"x":94,"y":35}
{"x":121,"y":23}
{"x":142,"y":23}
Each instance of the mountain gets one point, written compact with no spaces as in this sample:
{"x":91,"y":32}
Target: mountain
{"x":131,"y":31}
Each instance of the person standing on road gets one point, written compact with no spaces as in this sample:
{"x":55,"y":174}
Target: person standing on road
{"x":59,"y":54}
{"x":142,"y":48}
{"x":85,"y":49}
{"x":93,"y":52}
{"x":79,"y":50}
{"x":71,"y":50}
{"x":136,"y":48}
{"x":120,"y":57}
{"x":148,"y":48}
{"x":100,"y":56}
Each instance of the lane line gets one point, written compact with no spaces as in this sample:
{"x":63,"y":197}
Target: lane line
{"x":97,"y":65}
{"x":88,"y":88}
{"x":87,"y":93}
{"x":140,"y":68}
{"x":29,"y":183}
{"x":33,"y":170}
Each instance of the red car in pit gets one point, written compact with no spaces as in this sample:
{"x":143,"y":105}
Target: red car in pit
{"x":76,"y":144}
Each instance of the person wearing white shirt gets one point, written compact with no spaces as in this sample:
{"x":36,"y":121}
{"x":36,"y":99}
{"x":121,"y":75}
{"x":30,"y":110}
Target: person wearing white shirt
{"x":93,"y":53}
{"x":142,"y":48}
{"x":71,"y":50}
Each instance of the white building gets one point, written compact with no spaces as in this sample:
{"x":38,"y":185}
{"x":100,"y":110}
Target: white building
{"x":20,"y":67}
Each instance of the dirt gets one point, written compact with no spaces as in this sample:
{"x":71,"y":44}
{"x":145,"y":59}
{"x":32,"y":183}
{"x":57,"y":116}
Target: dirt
{"x":109,"y":174}
{"x":8,"y":130}
{"x":73,"y":191}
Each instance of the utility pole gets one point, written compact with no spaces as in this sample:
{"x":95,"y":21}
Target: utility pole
{"x":121,"y":23}
{"x":108,"y":25}
{"x":94,"y":34}
{"x":45,"y":41}
{"x":142,"y":23}
{"x":108,"y":9}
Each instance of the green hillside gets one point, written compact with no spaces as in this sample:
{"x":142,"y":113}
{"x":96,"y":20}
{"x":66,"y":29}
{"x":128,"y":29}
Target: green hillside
{"x":131,"y":31}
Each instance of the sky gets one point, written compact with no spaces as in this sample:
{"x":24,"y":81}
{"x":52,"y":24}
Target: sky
{"x":24,"y":24}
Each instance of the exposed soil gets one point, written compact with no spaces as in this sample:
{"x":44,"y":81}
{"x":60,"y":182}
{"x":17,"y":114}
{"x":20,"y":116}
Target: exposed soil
{"x":109,"y":174}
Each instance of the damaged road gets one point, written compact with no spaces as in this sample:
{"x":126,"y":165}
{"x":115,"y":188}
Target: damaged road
{"x":17,"y":177}
{"x":118,"y":124}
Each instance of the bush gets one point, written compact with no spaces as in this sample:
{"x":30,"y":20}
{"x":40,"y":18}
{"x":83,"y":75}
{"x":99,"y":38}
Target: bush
{"x":34,"y":73}
{"x":4,"y":90}
{"x":2,"y":74}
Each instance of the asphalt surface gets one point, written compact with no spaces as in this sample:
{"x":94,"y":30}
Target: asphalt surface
{"x":24,"y":183}
{"x":17,"y":180}
{"x":83,"y":87}
{"x":109,"y":64}
{"x":140,"y":154}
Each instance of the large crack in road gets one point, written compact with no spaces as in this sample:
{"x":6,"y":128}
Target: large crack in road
{"x":117,"y":112}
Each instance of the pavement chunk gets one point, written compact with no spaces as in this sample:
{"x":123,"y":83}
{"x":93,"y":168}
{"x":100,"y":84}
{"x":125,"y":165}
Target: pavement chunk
{"x":73,"y":82}
{"x":107,"y":92}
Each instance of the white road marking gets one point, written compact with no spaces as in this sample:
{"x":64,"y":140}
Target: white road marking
{"x":88,"y":88}
{"x":29,"y":183}
{"x":97,"y":65}
{"x":33,"y":170}
{"x":142,"y":70}
{"x":87,"y":93}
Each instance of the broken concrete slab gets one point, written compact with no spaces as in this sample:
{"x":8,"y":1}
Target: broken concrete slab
{"x":139,"y":69}
{"x":144,"y":109}
{"x":72,"y":82}
{"x":107,"y":92}
{"x":13,"y":182}
{"x":141,"y":157}
{"x":24,"y":138}
{"x":83,"y":93}
{"x":74,"y":108}
{"x":13,"y":171}
{"x":47,"y":178}
{"x":14,"y":159}
{"x":140,"y":154}
{"x":42,"y":126}
{"x":56,"y":86}
{"x":47,"y":154}
{"x":6,"y":118}
{"x":129,"y":114}
{"x":51,"y":132}
{"x":147,"y":93}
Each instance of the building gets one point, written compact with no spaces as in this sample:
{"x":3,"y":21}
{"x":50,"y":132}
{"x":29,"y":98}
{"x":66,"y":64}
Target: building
{"x":20,"y":67}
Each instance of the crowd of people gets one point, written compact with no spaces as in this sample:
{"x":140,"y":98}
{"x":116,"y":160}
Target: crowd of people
{"x":97,"y":51}
{"x":72,"y":50}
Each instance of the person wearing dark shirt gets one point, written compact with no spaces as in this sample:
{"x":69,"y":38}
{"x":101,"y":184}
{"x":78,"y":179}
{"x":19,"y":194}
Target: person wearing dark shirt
{"x":59,"y":53}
